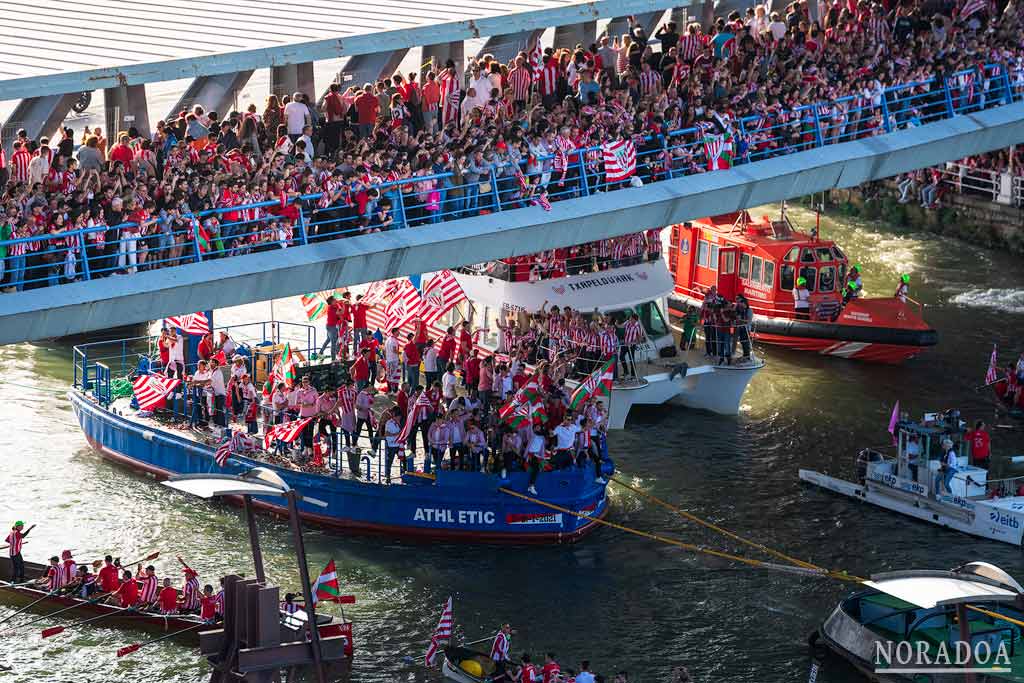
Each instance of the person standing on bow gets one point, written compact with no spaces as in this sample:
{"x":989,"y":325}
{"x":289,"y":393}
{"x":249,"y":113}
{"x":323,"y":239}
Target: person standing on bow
{"x":14,"y":540}
{"x":903,"y":289}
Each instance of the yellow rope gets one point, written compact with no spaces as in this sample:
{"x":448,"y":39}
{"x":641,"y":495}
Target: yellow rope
{"x":714,"y":527}
{"x":842,"y":576}
{"x":997,"y":615}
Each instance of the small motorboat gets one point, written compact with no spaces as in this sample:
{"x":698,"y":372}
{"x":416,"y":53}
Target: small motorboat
{"x":979,"y":502}
{"x":933,"y":626}
{"x":465,"y":665}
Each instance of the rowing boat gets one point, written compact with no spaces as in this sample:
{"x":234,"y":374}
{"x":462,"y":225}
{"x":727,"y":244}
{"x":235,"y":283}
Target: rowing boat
{"x":119,"y":616}
{"x":459,"y":666}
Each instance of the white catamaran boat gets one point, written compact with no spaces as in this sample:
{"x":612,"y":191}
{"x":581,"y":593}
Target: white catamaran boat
{"x":664,"y":373}
{"x":911,"y":482}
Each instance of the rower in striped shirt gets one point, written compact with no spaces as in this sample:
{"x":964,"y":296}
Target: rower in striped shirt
{"x":190,"y":597}
{"x":149,"y":585}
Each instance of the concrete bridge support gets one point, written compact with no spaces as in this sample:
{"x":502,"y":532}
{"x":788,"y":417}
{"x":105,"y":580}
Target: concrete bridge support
{"x":435,"y":57}
{"x":126,"y":107}
{"x":213,"y":93}
{"x":576,"y":34}
{"x":507,"y":46}
{"x":38,"y":116}
{"x":292,"y":78}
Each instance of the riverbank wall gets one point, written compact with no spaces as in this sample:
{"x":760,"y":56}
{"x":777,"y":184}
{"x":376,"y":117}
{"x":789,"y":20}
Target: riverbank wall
{"x":962,"y":216}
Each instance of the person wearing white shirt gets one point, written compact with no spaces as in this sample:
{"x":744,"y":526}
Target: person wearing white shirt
{"x":176,"y":355}
{"x":448,"y":383}
{"x":392,"y":430}
{"x":565,"y":441}
{"x":430,"y":363}
{"x":296,"y":116}
{"x":220,"y":394}
{"x":198,"y":384}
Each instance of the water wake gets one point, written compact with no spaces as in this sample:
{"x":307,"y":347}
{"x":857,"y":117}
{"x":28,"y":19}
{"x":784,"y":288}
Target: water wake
{"x":1006,"y":300}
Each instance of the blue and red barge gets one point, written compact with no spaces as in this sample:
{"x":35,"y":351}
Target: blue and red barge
{"x":450,"y":506}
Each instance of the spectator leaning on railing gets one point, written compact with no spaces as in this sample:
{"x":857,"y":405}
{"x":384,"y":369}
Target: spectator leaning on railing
{"x":497,"y":135}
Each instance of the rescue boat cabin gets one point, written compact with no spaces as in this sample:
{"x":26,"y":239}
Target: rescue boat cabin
{"x":760,"y":259}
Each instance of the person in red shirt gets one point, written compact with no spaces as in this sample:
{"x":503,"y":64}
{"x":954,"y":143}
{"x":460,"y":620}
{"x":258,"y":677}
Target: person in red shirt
{"x":411,"y":351}
{"x":978,"y":438}
{"x":371,"y":344}
{"x":168,"y":598}
{"x":367,"y":105}
{"x":333,"y":317}
{"x":360,"y":370}
{"x":208,"y":605}
{"x":205,"y":348}
{"x":127,"y":594}
{"x":471,"y":370}
{"x":465,"y":342}
{"x":446,"y":351}
{"x":360,"y":330}
{"x":550,"y":670}
{"x":108,"y":576}
{"x":527,"y":672}
{"x":420,"y":327}
{"x":402,"y":398}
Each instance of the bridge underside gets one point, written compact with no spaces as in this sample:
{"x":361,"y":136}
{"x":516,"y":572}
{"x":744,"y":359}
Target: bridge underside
{"x":100,"y":304}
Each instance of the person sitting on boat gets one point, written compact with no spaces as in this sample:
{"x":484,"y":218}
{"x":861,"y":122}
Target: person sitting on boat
{"x":802,"y":299}
{"x":149,"y":585}
{"x":167,"y":598}
{"x":527,"y":671}
{"x":948,"y":469}
{"x":288,"y":605}
{"x":854,"y":285}
{"x":14,"y":541}
{"x":551,"y":670}
{"x":52,"y":578}
{"x":84,"y":583}
{"x":903,"y":288}
{"x":208,"y":605}
{"x":565,"y":441}
{"x":108,"y":575}
{"x":127,"y":594}
{"x":68,"y":567}
{"x":502,"y":643}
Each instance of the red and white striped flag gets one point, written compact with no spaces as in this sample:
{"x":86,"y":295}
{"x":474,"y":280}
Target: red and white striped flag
{"x":442,"y":634}
{"x":223,"y":451}
{"x":418,"y":410}
{"x":287,"y":432}
{"x":619,"y":160}
{"x":404,"y":304}
{"x":379,"y":291}
{"x":972,"y":7}
{"x":536,"y":60}
{"x":151,"y":390}
{"x":193,"y":323}
{"x":991,"y":376}
{"x":440,"y":295}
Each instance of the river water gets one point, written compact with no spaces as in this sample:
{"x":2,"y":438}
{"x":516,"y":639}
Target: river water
{"x":621,"y":601}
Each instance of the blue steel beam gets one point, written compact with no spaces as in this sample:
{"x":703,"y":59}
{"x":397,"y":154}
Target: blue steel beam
{"x":100,"y":304}
{"x":311,"y":51}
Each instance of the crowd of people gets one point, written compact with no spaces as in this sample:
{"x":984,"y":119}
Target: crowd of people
{"x":109,"y":582}
{"x":456,"y":142}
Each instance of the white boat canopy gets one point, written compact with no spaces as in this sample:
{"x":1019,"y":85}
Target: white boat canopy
{"x":928,"y":589}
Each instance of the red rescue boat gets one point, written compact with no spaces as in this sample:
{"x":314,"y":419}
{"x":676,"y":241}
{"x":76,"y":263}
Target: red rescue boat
{"x":762,"y":260}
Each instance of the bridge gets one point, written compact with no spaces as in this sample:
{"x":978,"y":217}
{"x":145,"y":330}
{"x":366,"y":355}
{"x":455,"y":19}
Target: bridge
{"x":820,"y":160}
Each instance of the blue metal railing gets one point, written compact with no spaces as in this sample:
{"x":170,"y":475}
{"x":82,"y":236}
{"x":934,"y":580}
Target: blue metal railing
{"x":499,"y":184}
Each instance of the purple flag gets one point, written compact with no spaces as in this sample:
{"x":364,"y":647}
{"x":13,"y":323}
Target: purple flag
{"x":893,"y":420}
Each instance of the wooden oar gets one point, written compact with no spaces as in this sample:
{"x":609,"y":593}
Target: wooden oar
{"x":60,"y":611}
{"x":128,"y":649}
{"x":147,"y":558}
{"x":54,"y":630}
{"x":24,"y":609}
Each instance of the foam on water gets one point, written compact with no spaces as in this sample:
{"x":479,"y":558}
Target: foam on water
{"x":1000,"y":299}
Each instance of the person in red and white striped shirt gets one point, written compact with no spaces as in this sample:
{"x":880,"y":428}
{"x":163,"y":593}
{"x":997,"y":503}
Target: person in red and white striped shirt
{"x":519,"y":80}
{"x":632,"y":334}
{"x":650,"y":81}
{"x":150,"y":586}
{"x":20,"y":159}
{"x":14,"y":541}
{"x":548,"y":83}
{"x":692,"y":44}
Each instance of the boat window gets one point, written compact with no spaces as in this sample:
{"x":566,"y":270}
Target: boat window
{"x":842,"y":274}
{"x":807,"y":255}
{"x":827,"y":279}
{"x":713,"y":265}
{"x":729,"y":263}
{"x":744,"y":266}
{"x":755,"y":269}
{"x":702,"y":253}
{"x":786,"y":277}
{"x":838,"y":253}
{"x":769,"y":273}
{"x":824,"y":253}
{"x":792,"y":254}
{"x":652,"y":320}
{"x":809,"y":274}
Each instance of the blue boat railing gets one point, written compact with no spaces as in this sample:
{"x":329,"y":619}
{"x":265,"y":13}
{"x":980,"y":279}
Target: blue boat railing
{"x":83,"y":253}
